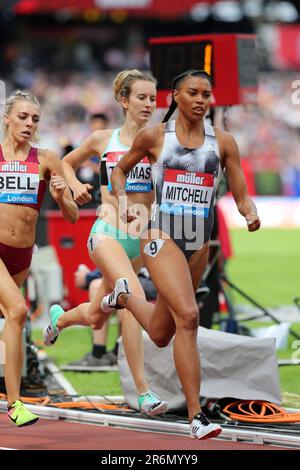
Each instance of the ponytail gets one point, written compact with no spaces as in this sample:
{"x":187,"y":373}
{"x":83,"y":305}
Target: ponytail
{"x":170,"y":111}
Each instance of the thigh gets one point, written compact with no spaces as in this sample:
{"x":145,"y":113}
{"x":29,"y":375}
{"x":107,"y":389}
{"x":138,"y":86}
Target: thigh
{"x":170,"y":273}
{"x":112,"y":260}
{"x":197,"y":263}
{"x":10,"y":292}
{"x":162,"y":319}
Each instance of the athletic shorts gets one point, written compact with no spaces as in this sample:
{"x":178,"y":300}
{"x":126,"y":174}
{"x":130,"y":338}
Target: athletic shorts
{"x":130,"y":244}
{"x":16,"y":260}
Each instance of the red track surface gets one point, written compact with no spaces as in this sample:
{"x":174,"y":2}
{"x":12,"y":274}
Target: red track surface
{"x":62,"y":435}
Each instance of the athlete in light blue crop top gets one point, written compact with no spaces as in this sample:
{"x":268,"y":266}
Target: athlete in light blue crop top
{"x":113,"y":248}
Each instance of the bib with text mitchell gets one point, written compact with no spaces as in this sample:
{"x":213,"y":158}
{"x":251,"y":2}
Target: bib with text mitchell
{"x":186,"y":192}
{"x":139,"y":178}
{"x":19,"y":182}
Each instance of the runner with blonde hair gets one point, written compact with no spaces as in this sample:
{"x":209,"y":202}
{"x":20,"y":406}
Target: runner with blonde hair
{"x":24,"y":173}
{"x":114,"y":247}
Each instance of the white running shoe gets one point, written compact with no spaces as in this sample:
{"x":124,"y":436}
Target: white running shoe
{"x":202,"y":428}
{"x":110,"y":301}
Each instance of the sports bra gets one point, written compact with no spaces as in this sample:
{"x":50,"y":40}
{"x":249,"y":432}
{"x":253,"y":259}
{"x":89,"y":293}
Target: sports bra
{"x":21,"y":182}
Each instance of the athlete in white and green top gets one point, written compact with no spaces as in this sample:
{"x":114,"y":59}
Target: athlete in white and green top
{"x":114,"y":247}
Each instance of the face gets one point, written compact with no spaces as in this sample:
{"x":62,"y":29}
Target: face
{"x":141,"y":102}
{"x":193,"y":97}
{"x":22,"y":121}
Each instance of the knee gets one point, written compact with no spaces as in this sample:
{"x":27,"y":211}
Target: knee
{"x":94,"y":319}
{"x":161,"y":340}
{"x":18,"y":314}
{"x":188,"y":318}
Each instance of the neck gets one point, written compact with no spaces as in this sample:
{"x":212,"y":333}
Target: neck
{"x":129,"y":129}
{"x":189,"y":128}
{"x":15,"y":147}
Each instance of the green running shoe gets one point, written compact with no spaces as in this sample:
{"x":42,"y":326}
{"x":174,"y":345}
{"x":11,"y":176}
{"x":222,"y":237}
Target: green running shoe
{"x":51,"y":332}
{"x":20,"y":416}
{"x":151,"y":404}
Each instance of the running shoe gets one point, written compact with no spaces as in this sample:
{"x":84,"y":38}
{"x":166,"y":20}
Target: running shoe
{"x":202,"y":428}
{"x":110,"y":301}
{"x":151,"y":405}
{"x":51,"y":332}
{"x":20,"y":416}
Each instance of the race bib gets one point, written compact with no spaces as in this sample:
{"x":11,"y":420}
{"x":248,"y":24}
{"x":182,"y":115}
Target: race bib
{"x":19,"y":182}
{"x":186,"y":193}
{"x":139,"y":179}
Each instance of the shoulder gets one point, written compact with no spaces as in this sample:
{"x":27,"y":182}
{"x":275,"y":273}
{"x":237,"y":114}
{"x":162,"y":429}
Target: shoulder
{"x":223,"y":135}
{"x":99,"y":138}
{"x":150,"y":135}
{"x":49,"y":161}
{"x":47,"y":154}
{"x":225,"y":139}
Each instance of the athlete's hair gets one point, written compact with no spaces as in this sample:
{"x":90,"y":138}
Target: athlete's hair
{"x":124,"y":80}
{"x":177,"y":81}
{"x":16,"y":97}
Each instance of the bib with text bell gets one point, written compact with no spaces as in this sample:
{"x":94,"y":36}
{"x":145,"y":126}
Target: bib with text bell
{"x":19,"y":182}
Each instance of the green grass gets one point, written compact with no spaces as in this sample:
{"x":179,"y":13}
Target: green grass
{"x":266,"y":265}
{"x":72,"y":344}
{"x":289,"y":375}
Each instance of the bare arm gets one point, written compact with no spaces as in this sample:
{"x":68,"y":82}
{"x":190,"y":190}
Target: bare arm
{"x":59,"y":189}
{"x":89,"y":147}
{"x":237,"y":182}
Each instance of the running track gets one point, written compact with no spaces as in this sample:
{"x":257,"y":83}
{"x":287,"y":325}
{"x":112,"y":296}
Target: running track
{"x":63,"y":435}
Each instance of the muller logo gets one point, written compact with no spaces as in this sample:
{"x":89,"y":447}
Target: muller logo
{"x":14,"y":166}
{"x":190,"y":177}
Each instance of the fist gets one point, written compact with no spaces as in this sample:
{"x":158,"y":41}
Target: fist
{"x":57,"y":186}
{"x":81,"y":194}
{"x":253,"y":222}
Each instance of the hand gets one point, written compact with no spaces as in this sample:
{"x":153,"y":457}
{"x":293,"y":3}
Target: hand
{"x":253,"y":221}
{"x":131,"y":214}
{"x":127,"y":213}
{"x":57,"y":187}
{"x":81,"y":194}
